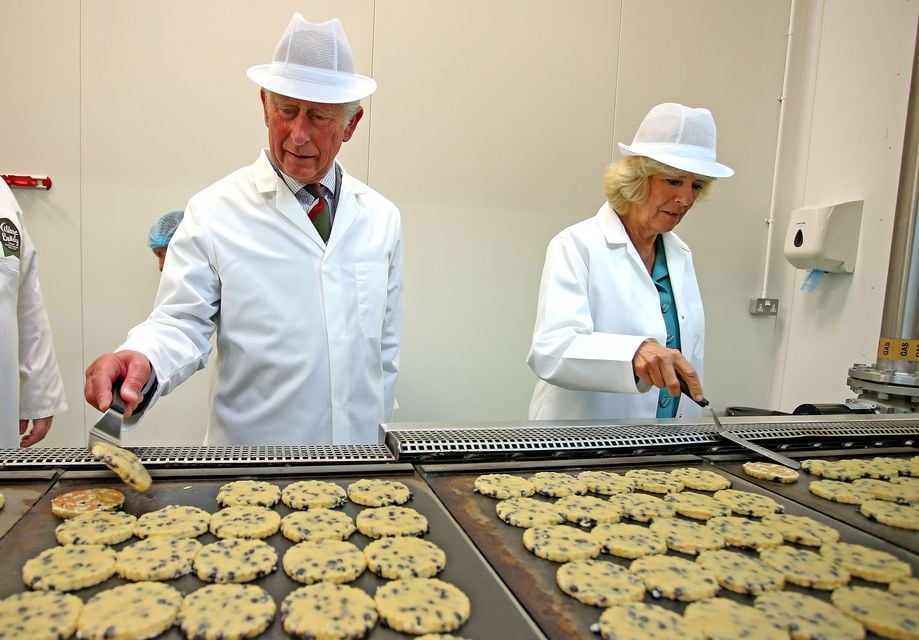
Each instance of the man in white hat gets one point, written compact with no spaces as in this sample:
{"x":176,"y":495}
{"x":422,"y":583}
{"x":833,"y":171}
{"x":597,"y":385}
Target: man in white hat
{"x":296,"y":265}
{"x":619,"y":307}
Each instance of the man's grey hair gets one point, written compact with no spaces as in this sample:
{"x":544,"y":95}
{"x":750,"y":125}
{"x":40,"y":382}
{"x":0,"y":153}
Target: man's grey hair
{"x":350,"y":109}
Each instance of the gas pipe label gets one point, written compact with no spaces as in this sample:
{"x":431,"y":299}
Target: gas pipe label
{"x":898,"y":349}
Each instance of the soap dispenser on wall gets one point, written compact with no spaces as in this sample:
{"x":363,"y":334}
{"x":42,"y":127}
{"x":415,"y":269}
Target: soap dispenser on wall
{"x":824,"y":238}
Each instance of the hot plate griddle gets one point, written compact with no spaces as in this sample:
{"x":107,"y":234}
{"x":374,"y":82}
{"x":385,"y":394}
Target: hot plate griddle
{"x":532,"y":578}
{"x":848,"y":513}
{"x":495,"y":613}
{"x":21,"y":492}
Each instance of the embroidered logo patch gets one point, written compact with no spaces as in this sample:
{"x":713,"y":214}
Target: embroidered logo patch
{"x":10,"y":237}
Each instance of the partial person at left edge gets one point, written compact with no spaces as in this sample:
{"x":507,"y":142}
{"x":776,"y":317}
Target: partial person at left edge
{"x":292,"y":263}
{"x":31,"y":388}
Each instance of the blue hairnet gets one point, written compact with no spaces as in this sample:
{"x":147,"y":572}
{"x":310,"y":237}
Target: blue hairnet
{"x":164,"y":228}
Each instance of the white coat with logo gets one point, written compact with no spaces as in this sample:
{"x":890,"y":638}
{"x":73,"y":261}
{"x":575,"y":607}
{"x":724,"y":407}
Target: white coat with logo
{"x":308,"y":334}
{"x":30,"y":380}
{"x":597,"y":304}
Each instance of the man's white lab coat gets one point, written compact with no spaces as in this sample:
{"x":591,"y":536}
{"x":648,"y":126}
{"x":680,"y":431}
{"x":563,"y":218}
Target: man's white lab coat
{"x":597,"y":304}
{"x":308,"y":334}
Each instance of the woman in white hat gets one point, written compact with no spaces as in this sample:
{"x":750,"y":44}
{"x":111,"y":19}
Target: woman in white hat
{"x":619,"y":305}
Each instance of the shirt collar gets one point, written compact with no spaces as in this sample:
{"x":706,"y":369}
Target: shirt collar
{"x":327,"y":181}
{"x":659,"y":271}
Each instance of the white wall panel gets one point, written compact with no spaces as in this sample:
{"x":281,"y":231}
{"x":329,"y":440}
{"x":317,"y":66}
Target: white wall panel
{"x":852,"y":149}
{"x":491,"y":129}
{"x":728,"y":57}
{"x":40,"y":135}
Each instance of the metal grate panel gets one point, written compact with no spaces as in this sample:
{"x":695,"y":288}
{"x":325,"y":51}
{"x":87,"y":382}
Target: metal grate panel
{"x":178,"y":457}
{"x":504,"y":439}
{"x":441,"y":440}
{"x":861,"y":428}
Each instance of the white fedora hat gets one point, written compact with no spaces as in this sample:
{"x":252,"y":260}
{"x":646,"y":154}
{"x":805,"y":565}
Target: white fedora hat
{"x":313,"y":62}
{"x":680,"y":137}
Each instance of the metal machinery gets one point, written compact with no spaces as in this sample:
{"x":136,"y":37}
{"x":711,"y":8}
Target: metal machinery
{"x":512,"y":592}
{"x":892,"y":384}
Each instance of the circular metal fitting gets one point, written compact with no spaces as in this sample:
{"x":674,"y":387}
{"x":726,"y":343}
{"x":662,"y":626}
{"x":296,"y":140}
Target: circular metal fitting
{"x":884,"y":376}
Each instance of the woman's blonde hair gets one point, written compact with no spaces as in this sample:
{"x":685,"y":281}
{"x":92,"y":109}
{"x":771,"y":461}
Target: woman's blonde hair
{"x":628,"y":182}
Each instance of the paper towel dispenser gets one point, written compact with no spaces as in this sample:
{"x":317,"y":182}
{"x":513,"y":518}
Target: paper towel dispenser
{"x":824,"y":238}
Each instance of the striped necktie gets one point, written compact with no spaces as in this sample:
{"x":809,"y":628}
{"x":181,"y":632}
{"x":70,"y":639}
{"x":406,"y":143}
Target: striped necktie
{"x":319,"y":213}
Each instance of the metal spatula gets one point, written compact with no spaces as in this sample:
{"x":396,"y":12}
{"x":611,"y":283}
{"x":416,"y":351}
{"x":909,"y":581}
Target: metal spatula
{"x":733,"y":437}
{"x":109,"y":426}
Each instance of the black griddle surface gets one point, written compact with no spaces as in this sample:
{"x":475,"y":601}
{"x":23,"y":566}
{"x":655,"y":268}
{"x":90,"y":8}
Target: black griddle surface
{"x":532,"y":578}
{"x":20,"y":493}
{"x":495,"y":613}
{"x":848,"y":513}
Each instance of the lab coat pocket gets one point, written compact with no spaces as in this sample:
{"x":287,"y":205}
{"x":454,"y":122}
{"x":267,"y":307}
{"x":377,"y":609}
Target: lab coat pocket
{"x":9,"y":293}
{"x":692,"y":330}
{"x":371,"y":280}
{"x":9,"y":273}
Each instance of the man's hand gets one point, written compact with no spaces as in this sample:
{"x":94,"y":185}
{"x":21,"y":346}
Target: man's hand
{"x":663,"y":368}
{"x":40,"y":428}
{"x":131,"y":367}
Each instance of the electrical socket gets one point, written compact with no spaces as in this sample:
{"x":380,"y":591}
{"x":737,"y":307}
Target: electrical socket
{"x":764,"y":306}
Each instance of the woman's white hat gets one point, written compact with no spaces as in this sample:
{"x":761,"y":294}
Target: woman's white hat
{"x":313,"y":62}
{"x":680,"y":137}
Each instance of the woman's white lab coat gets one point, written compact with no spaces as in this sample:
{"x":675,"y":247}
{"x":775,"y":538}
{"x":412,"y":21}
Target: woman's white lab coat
{"x":308,"y":334}
{"x":30,"y":380}
{"x":597,"y":304}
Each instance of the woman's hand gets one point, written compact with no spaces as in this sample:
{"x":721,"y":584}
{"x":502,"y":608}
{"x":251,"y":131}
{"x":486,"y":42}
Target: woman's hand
{"x":662,"y":367}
